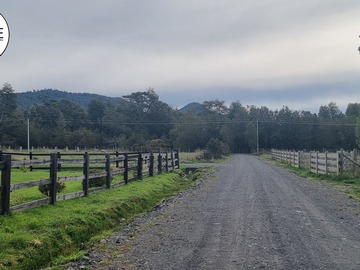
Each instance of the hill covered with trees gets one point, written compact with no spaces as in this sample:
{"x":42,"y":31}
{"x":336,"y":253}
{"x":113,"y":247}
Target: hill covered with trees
{"x":141,"y":120}
{"x":27,"y":99}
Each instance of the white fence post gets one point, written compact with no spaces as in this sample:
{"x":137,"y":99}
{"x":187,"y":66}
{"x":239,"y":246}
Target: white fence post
{"x":326,"y":162}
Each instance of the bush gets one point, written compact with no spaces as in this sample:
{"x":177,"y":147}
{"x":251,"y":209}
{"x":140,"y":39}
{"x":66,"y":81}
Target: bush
{"x":45,"y":189}
{"x":97,"y":182}
{"x":216,"y":149}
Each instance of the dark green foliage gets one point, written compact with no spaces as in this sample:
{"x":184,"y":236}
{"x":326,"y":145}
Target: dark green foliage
{"x":45,"y":189}
{"x":10,"y":118}
{"x":98,"y":181}
{"x":216,"y":149}
{"x":140,"y":121}
{"x":357,"y":131}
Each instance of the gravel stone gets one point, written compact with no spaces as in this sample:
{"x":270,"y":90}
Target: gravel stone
{"x":252,"y":215}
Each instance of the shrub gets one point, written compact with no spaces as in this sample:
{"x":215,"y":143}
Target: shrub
{"x":97,"y":182}
{"x":45,"y":189}
{"x":216,"y":149}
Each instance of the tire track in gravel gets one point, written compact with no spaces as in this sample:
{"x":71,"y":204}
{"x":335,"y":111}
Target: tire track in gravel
{"x":253,"y":216}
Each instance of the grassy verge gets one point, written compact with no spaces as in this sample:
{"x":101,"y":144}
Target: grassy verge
{"x":348,"y":183}
{"x":37,"y":237}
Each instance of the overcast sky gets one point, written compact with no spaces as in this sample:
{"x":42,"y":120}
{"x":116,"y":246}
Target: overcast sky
{"x":265,"y":53}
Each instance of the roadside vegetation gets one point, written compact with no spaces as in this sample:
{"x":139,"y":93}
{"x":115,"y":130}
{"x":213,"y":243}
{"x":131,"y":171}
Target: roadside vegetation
{"x":348,"y":183}
{"x":53,"y":234}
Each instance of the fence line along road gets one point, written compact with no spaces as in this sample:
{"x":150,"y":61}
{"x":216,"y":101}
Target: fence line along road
{"x":132,"y":166}
{"x":338,"y":162}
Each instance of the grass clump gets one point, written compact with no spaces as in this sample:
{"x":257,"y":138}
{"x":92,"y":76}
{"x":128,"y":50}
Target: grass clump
{"x":37,"y":237}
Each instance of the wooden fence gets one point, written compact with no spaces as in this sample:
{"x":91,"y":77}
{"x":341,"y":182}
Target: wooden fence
{"x":338,"y":162}
{"x":131,"y":166}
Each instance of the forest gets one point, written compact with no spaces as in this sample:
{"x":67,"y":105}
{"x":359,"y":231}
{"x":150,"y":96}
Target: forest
{"x":141,"y":121}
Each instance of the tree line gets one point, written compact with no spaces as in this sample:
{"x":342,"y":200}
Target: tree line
{"x":141,"y":121}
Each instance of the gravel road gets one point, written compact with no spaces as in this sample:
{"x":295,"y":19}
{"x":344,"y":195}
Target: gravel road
{"x":254,"y":215}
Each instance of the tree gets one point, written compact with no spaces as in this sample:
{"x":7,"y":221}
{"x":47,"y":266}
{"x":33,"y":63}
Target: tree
{"x":154,"y":115}
{"x":74,"y":115}
{"x":216,"y":149}
{"x":216,"y":106}
{"x":54,"y":121}
{"x":189,"y":133}
{"x":96,"y":112}
{"x":251,"y":136}
{"x":11,"y":119}
{"x":233,"y":133}
{"x":353,"y":110}
{"x":143,"y":101}
{"x":7,"y":101}
{"x":330,"y":112}
{"x":357,"y":131}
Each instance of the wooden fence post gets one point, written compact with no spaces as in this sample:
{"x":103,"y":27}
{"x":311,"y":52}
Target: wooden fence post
{"x":126,"y":168}
{"x":166,"y":162}
{"x":86,"y":169}
{"x":140,"y":166}
{"x":5,"y":182}
{"x":172,"y":160}
{"x":159,"y":163}
{"x":117,"y":162}
{"x":317,"y":162}
{"x":31,"y":157}
{"x":151,"y":165}
{"x":341,"y":161}
{"x":59,"y":164}
{"x":53,"y":177}
{"x":177,"y":159}
{"x":354,"y":158}
{"x":326,"y":162}
{"x":108,"y":171}
{"x":290,"y":157}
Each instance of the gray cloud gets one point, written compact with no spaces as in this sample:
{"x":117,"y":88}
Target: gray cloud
{"x":275,"y":51}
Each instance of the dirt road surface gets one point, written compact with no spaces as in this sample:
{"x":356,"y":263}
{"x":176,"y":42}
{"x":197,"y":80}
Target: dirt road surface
{"x":254,"y":215}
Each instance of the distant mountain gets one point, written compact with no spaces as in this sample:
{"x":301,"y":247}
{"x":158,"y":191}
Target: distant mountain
{"x":194,"y":108}
{"x":27,"y":99}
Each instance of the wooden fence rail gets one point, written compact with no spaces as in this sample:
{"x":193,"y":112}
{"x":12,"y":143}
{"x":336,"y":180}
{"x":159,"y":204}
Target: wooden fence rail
{"x":337,"y":162}
{"x":132,"y":166}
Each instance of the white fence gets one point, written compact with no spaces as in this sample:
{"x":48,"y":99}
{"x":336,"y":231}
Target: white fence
{"x":320,"y":162}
